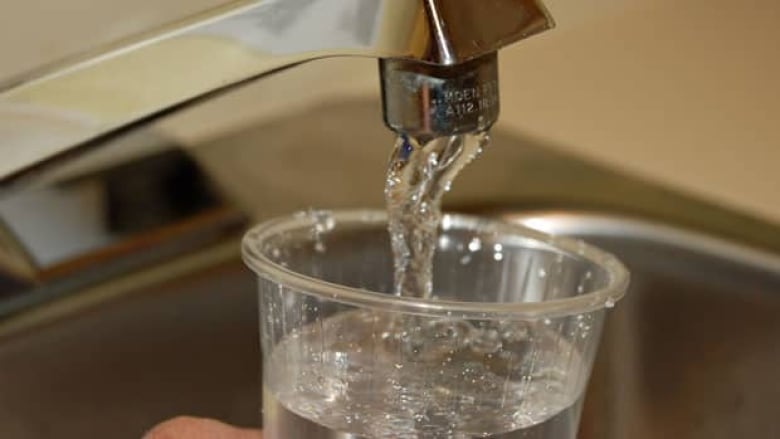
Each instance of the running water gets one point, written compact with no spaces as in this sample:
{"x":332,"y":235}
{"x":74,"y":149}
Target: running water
{"x":419,"y":174}
{"x":366,"y":374}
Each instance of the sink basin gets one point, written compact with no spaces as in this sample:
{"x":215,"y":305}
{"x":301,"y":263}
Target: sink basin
{"x":691,"y":352}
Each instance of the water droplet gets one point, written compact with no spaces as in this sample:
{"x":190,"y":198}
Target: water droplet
{"x":610,"y":303}
{"x":542,"y":273}
{"x":326,"y":223}
{"x":433,"y":160}
{"x":498,"y":247}
{"x":319,"y":247}
{"x":475,"y":244}
{"x":465,"y":259}
{"x":498,"y":256}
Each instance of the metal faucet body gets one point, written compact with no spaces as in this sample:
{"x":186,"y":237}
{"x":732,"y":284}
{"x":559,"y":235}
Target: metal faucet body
{"x":77,"y":103}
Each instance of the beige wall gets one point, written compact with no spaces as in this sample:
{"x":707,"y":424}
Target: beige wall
{"x":684,"y":92}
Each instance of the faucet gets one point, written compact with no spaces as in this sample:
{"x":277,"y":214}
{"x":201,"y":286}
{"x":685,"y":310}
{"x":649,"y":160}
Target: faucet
{"x":438,"y":68}
{"x":438,"y":74}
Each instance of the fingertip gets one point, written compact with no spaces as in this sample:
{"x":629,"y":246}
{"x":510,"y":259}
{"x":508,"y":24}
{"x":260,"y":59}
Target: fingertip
{"x":188,"y":427}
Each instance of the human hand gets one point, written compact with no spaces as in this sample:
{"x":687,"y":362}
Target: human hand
{"x":185,"y":427}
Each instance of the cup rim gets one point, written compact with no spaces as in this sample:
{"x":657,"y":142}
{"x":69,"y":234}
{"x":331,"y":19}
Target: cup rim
{"x":264,"y":267}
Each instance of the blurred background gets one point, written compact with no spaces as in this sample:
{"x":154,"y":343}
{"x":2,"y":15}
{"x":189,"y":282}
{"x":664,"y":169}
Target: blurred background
{"x":646,"y":126}
{"x":680,"y":92}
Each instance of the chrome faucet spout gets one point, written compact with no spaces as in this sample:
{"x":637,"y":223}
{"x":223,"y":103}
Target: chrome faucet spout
{"x":428,"y":101}
{"x":45,"y":114}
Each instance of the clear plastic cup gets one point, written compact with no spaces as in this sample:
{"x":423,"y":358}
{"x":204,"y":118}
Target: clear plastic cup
{"x":504,"y":349}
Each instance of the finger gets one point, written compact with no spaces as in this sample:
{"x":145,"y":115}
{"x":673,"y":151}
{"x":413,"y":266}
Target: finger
{"x":185,"y":427}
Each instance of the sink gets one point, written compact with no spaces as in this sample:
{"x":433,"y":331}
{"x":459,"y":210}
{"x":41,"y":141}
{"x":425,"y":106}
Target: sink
{"x":692,"y":351}
{"x":183,"y":345}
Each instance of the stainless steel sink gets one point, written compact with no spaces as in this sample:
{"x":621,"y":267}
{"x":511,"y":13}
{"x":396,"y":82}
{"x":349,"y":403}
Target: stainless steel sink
{"x":692,"y":352}
{"x":694,"y":348}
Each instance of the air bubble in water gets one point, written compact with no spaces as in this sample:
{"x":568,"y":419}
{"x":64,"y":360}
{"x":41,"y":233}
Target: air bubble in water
{"x":485,"y":342}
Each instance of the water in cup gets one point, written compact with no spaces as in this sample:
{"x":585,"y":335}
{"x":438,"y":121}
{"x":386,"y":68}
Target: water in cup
{"x":436,"y":379}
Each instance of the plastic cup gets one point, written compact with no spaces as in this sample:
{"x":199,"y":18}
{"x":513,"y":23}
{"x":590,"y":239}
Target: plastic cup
{"x":504,"y":349}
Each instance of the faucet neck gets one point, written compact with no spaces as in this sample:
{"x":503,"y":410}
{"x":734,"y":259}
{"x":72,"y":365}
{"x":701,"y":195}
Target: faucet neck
{"x":464,"y":30}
